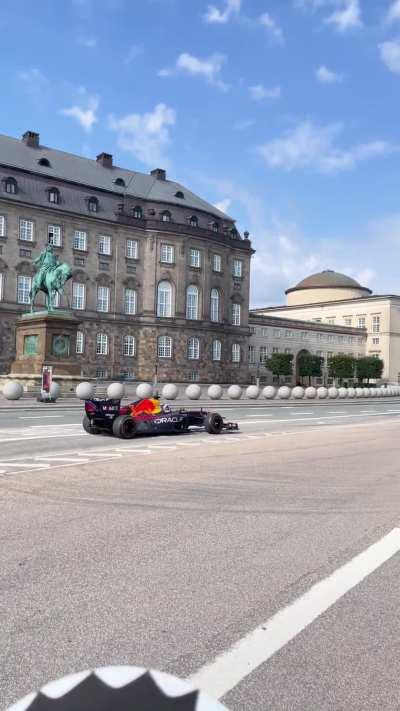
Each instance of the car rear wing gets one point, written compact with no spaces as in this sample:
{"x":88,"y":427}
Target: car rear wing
{"x":101,"y":406}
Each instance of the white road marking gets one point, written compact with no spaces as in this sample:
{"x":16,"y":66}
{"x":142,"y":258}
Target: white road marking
{"x":24,"y":437}
{"x":339,"y":412}
{"x":28,"y":465}
{"x":260,"y":415}
{"x":303,"y":413}
{"x":230,"y":667}
{"x":73,"y":460}
{"x":37,"y":417}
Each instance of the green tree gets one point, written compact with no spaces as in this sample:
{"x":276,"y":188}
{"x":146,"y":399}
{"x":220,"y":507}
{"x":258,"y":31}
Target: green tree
{"x":310,"y":366}
{"x":341,"y":367}
{"x":280,"y":364}
{"x":369,"y":367}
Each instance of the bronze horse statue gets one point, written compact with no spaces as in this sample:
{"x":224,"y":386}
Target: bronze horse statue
{"x":50,"y":277}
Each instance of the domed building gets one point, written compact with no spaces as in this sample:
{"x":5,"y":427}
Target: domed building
{"x":350,"y":317}
{"x":325,"y":286}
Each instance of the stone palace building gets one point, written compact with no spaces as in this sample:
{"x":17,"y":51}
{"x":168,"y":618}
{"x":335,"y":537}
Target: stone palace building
{"x":160,"y":277}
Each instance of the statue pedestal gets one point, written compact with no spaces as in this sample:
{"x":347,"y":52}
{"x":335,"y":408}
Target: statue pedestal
{"x":46,"y":338}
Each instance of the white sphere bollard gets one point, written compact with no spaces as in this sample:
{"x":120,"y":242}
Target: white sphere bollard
{"x":311,"y":392}
{"x":193,"y":392}
{"x":84,"y":391}
{"x":359,"y":392}
{"x":144,"y":390}
{"x":298,"y":392}
{"x":55,"y":390}
{"x":214,"y":392}
{"x":342,"y":392}
{"x":269,"y":392}
{"x":116,"y":391}
{"x":378,"y":392}
{"x":235,"y":392}
{"x":367,"y":392}
{"x":351,"y":393}
{"x":322,"y":393}
{"x":13,"y":391}
{"x":169,"y":391}
{"x":284,"y":392}
{"x":372,"y":392}
{"x":252,"y":392}
{"x":333,"y":393}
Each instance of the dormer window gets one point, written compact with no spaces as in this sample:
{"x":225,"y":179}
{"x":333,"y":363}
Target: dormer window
{"x":193,"y":222}
{"x":180,"y":195}
{"x":54,"y":196}
{"x":137,"y":212}
{"x":45,"y":162}
{"x":166,"y":216}
{"x":119,"y":181}
{"x":93,"y":204}
{"x":11,"y":186}
{"x":215,"y":226}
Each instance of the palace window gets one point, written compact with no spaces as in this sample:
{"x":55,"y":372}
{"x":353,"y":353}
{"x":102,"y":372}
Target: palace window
{"x":167,"y":254}
{"x":376,"y":324}
{"x":102,"y":344}
{"x":79,"y":347}
{"x":80,"y":240}
{"x":45,"y":162}
{"x":137,"y":212}
{"x":361,"y":322}
{"x":166,"y":216}
{"x":119,"y":181}
{"x":276,"y":333}
{"x":164,"y":299}
{"x":1,"y":286}
{"x":235,"y":353}
{"x":236,"y":314}
{"x":252,"y":355}
{"x":193,"y":349}
{"x":216,"y":349}
{"x":11,"y":186}
{"x":93,"y":204}
{"x":215,"y":305}
{"x":237,"y":268}
{"x":192,"y":302}
{"x":130,"y":301}
{"x":263,"y":353}
{"x":215,"y":226}
{"x":131,"y":249}
{"x":347,"y":320}
{"x":129,"y":346}
{"x":26,"y":230}
{"x":195,"y":258}
{"x":103,"y":299}
{"x":54,"y":235}
{"x":216,"y":263}
{"x":375,"y":341}
{"x":164,"y":347}
{"x":2,"y":226}
{"x":179,"y":194}
{"x":78,"y":296}
{"x":54,"y":196}
{"x":24,"y":284}
{"x":193,"y":222}
{"x":104,"y":244}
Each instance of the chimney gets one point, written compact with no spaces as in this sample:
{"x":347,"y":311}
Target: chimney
{"x":159,"y":173}
{"x":105,"y":159}
{"x":31,"y":139}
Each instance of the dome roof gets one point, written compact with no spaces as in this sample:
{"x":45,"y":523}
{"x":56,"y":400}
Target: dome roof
{"x":328,"y":279}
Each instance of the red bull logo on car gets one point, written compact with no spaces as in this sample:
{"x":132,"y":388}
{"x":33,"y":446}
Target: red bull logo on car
{"x":147,"y":406}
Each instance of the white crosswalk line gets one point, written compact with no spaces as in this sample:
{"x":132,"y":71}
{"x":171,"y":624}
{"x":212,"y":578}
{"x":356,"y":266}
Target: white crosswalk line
{"x":75,"y":460}
{"x":22,"y":464}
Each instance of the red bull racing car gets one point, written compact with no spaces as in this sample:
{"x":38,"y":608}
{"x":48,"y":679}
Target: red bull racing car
{"x":147,"y":416}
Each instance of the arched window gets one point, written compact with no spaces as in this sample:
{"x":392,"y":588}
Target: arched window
{"x":215,"y":305}
{"x":179,"y":194}
{"x":93,"y":204}
{"x":164,"y":347}
{"x":193,"y":222}
{"x":11,"y":186}
{"x":164,"y":299}
{"x":137,"y":212}
{"x":216,"y":349}
{"x":166,"y":216}
{"x":54,"y":196}
{"x":193,"y":348}
{"x":192,"y":302}
{"x":119,"y":181}
{"x":45,"y":162}
{"x":215,"y":226}
{"x":235,"y":353}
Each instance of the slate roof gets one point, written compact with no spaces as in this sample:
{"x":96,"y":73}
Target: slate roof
{"x":77,"y":169}
{"x":328,"y":279}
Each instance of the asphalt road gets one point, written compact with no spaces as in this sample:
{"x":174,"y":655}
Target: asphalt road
{"x":181,"y":552}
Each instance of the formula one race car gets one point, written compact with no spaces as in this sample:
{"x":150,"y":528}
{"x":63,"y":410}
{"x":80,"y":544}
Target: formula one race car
{"x":147,"y":416}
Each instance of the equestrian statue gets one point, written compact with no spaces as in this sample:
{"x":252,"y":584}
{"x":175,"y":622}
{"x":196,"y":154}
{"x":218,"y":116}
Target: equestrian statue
{"x":50,"y":277}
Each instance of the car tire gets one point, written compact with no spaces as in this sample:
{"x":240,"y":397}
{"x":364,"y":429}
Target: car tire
{"x":88,"y":427}
{"x":214,"y":423}
{"x":124,"y":426}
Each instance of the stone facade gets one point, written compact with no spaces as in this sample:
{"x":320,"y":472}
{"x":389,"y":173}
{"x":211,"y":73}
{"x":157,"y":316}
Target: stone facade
{"x":138,"y":232}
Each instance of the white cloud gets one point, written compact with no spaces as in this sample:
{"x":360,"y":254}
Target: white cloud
{"x":393,"y":14}
{"x":147,"y":135}
{"x":390,"y":55}
{"x":346,"y":14}
{"x":216,"y":16}
{"x":326,"y":76}
{"x":32,"y":75}
{"x":258,"y":92}
{"x":272,"y":26}
{"x":87,"y":41}
{"x":86,"y":112}
{"x":243,"y":125}
{"x":223,"y":205}
{"x":134,"y":51}
{"x":209,"y":68}
{"x":311,"y":146}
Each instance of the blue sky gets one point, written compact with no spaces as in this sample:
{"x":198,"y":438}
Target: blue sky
{"x":283,"y":112}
